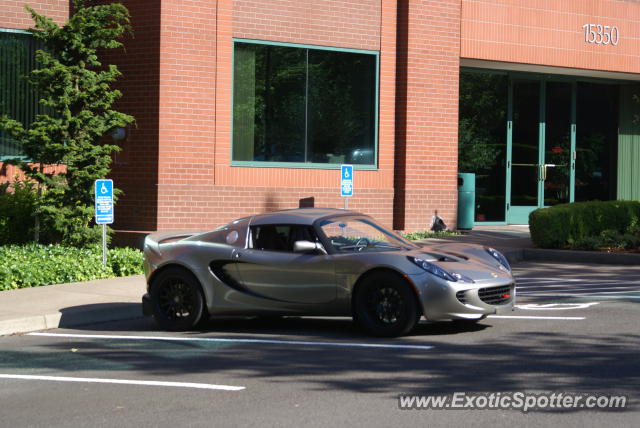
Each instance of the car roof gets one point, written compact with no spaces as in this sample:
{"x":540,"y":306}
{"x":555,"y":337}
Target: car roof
{"x":303,"y":216}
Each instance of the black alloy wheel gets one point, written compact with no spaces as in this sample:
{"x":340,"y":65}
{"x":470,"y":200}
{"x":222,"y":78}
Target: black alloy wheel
{"x":177,"y":299}
{"x":385,"y":305}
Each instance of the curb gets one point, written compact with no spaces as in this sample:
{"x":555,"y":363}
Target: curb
{"x":90,"y":314}
{"x":581,"y":256}
{"x":570,"y":256}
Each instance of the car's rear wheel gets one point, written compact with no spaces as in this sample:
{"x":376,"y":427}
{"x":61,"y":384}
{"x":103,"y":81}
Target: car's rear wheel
{"x":176,"y":299}
{"x":385,"y":305}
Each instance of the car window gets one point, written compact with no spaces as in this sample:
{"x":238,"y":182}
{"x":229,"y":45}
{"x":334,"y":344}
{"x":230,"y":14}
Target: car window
{"x":280,"y":237}
{"x":349,"y":235}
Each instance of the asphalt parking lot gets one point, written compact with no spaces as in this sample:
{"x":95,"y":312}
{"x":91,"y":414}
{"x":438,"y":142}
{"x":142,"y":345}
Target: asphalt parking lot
{"x":574,"y":331}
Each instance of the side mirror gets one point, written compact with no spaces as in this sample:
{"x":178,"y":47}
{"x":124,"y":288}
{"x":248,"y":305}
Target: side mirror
{"x":308,"y":247}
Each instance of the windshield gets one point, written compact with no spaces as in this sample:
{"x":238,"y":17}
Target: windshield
{"x":357,"y":234}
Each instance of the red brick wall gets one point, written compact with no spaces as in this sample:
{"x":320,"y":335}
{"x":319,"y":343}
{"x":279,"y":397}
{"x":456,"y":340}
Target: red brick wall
{"x":135,"y":170}
{"x":197,"y":187}
{"x":9,"y":173}
{"x":427,"y":112}
{"x":175,"y":167}
{"x":188,"y":112}
{"x":550,"y":32}
{"x":356,"y":25}
{"x":14,"y":15}
{"x":348,"y":23}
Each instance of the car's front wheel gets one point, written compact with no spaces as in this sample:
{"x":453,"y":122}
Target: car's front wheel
{"x":176,"y":299}
{"x":385,"y":305}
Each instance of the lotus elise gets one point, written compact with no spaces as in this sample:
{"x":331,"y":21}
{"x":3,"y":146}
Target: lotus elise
{"x":320,"y":262}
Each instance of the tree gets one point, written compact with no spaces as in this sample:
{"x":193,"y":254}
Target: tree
{"x":75,"y":89}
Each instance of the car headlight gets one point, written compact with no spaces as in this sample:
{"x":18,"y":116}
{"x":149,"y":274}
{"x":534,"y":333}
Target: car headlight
{"x":433,"y":269}
{"x":499,"y":257}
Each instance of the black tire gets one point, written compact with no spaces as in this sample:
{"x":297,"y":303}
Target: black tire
{"x":176,"y":299}
{"x":385,"y":305}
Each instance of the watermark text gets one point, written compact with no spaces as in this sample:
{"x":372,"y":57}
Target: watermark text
{"x":522,"y":401}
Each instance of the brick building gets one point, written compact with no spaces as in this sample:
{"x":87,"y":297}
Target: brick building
{"x":245,"y":106}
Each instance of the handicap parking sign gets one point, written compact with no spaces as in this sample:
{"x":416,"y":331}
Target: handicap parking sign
{"x":346,"y":181}
{"x":104,"y":201}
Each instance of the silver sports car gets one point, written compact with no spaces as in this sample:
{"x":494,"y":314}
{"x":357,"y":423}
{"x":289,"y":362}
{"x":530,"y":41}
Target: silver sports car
{"x":323,"y":262}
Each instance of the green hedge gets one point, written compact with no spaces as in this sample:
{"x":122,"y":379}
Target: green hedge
{"x":17,"y":204}
{"x":586,"y":225}
{"x":33,"y":265}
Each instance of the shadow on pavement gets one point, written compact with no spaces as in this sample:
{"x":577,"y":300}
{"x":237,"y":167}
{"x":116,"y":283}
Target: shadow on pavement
{"x":517,"y":361}
{"x":73,"y":316}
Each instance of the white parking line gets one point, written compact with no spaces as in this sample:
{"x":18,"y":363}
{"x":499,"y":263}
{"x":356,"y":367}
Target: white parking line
{"x":524,"y":317}
{"x":537,"y":279}
{"x":584,"y":295}
{"x":221,"y":340}
{"x":562,"y":306}
{"x":551,"y":288}
{"x":560,"y":292}
{"x":124,"y":382}
{"x":579,"y":284}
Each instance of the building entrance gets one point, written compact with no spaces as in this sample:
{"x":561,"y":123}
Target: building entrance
{"x":536,"y":141}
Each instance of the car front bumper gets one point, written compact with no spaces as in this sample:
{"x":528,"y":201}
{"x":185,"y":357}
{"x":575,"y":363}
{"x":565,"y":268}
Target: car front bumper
{"x":444,"y":300}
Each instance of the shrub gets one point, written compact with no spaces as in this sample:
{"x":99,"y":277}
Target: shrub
{"x":125,"y":261}
{"x":33,"y":265}
{"x":608,"y":240}
{"x":588,"y":225}
{"x":415,"y":236}
{"x":17,"y":204}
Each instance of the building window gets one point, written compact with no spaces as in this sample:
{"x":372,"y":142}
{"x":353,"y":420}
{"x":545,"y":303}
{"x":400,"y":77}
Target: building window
{"x":302,"y":105}
{"x":17,"y":99}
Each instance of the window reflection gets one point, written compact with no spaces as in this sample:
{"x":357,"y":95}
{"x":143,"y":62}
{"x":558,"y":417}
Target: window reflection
{"x":482,"y":139}
{"x":303,"y":105}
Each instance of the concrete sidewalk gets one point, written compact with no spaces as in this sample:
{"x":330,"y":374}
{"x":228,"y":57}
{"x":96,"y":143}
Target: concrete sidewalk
{"x":67,"y":305}
{"x":82,"y":303}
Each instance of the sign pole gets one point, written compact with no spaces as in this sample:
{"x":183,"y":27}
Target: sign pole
{"x":104,"y":244}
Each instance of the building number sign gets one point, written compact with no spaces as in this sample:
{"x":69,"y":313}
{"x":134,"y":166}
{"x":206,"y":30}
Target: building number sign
{"x":601,"y":34}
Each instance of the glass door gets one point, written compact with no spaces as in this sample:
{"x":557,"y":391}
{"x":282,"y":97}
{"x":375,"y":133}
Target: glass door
{"x":559,"y":138}
{"x":540,"y":146}
{"x":523,"y":151}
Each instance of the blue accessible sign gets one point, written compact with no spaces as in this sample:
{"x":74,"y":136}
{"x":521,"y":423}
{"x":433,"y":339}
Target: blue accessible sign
{"x":104,"y":201}
{"x":346,"y":181}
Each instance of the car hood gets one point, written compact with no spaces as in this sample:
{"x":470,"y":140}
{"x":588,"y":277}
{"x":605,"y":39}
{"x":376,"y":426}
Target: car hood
{"x":469,"y":260}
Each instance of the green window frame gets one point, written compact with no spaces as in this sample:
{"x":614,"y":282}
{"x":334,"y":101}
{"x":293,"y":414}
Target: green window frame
{"x":17,"y":98}
{"x":304,"y":106}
